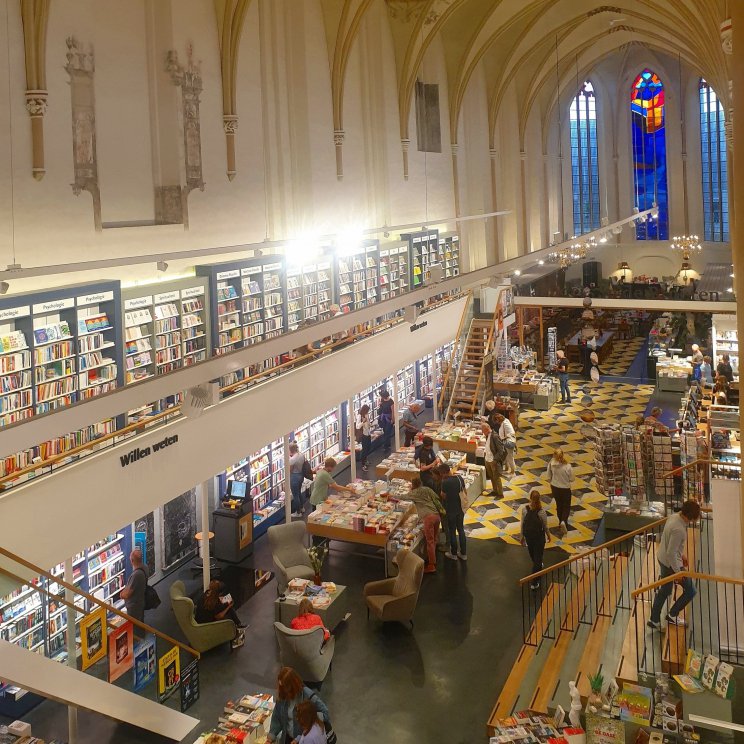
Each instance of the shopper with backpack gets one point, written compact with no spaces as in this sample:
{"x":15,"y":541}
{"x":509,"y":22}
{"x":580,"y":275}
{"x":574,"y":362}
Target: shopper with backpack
{"x":495,"y":456}
{"x":535,"y":532}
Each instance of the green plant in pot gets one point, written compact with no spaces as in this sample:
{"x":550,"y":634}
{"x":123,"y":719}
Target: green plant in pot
{"x":317,"y":554}
{"x":596,"y":682}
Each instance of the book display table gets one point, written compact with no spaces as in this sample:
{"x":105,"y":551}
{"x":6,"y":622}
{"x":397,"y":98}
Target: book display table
{"x":404,"y":467}
{"x":332,"y":609}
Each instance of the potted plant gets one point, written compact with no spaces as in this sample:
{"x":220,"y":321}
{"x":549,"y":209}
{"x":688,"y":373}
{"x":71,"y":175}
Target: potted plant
{"x":317,"y":554}
{"x":596,"y":682}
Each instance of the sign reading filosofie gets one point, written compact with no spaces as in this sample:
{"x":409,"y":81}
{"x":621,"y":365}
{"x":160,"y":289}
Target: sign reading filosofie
{"x":139,"y":453}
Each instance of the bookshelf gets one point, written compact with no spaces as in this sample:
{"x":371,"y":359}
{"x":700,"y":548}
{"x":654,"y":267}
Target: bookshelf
{"x":139,"y":355}
{"x":357,"y":277}
{"x":167,"y":332}
{"x":97,"y":355}
{"x":406,"y":387}
{"x":16,"y":373}
{"x":424,"y":371}
{"x":449,"y":254}
{"x":424,"y":251}
{"x":195,"y":325}
{"x":725,"y":341}
{"x":394,"y":271}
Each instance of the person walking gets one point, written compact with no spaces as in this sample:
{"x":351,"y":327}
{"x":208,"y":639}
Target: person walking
{"x":430,"y":511}
{"x":408,"y":422}
{"x":364,"y":432}
{"x":562,"y":367}
{"x":290,"y":692}
{"x":297,"y":469}
{"x":560,"y":477}
{"x":508,"y":436}
{"x":672,"y":558}
{"x":535,"y":532}
{"x":133,"y":593}
{"x":494,"y":454}
{"x":451,"y":487}
{"x":386,"y":419}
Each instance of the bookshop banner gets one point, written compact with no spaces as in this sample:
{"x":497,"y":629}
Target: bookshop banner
{"x":168,"y":673}
{"x":121,"y":651}
{"x":93,"y":637}
{"x":144,"y":663}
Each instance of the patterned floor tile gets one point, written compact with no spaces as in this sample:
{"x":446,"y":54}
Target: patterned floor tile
{"x":540,"y":433}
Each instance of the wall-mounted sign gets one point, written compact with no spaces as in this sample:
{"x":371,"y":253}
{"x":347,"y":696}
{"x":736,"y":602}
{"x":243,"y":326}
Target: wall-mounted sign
{"x":272,"y":267}
{"x":139,"y":453}
{"x":121,"y":651}
{"x":166,"y":296}
{"x":15,"y":312}
{"x":250,"y":270}
{"x":191,"y":292}
{"x":418,"y":326}
{"x":92,"y":299}
{"x":136,"y":302}
{"x":144,"y":663}
{"x":54,"y":305}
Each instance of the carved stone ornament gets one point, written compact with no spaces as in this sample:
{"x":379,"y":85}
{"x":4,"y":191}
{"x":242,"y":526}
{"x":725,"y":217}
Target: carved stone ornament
{"x":79,"y":60}
{"x":727,"y":37}
{"x":230,"y":123}
{"x":338,"y":137}
{"x":36,"y":102}
{"x":405,"y":144}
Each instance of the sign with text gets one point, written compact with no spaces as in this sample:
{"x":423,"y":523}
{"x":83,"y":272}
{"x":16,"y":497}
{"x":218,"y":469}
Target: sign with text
{"x":93,"y":637}
{"x":53,"y":305}
{"x":168,"y":673}
{"x":92,"y":299}
{"x":144,"y":663}
{"x":15,"y":312}
{"x":136,"y":302}
{"x":121,"y":651}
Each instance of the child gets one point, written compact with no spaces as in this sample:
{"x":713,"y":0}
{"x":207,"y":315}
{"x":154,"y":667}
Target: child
{"x":313,"y":731}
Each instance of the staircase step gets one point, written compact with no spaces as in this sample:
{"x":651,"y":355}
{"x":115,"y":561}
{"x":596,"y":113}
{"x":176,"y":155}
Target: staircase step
{"x":550,"y":675}
{"x":590,"y":660}
{"x":510,"y":691}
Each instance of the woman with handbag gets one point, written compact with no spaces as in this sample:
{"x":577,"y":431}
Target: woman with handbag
{"x":452,"y":488}
{"x":298,"y":464}
{"x":290,"y":692}
{"x":363,"y":432}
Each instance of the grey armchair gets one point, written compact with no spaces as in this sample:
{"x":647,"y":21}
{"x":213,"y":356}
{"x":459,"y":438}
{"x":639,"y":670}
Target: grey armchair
{"x":201,"y":636}
{"x":395,"y":599}
{"x":305,"y":652}
{"x":288,"y":547}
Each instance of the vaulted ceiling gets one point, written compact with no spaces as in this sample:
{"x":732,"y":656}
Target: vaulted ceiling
{"x":535,"y":42}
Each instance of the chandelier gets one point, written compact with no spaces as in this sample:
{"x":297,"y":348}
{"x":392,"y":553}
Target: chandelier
{"x":569,"y":255}
{"x":686,"y":244}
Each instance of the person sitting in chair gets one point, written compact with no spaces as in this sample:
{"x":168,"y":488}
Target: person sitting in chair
{"x":307,"y":619}
{"x":213,"y":606}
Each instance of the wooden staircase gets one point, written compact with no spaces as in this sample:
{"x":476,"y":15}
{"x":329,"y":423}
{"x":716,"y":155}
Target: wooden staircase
{"x":470,"y":381}
{"x":584,"y":620}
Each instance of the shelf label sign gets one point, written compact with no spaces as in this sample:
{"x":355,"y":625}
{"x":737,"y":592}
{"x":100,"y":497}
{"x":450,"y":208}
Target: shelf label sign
{"x":136,"y":302}
{"x":15,"y":312}
{"x":191,"y":292}
{"x":272,"y":267}
{"x":166,"y":296}
{"x":53,"y":305}
{"x":91,"y":299}
{"x":251,"y":270}
{"x":552,"y":347}
{"x":228,"y":274}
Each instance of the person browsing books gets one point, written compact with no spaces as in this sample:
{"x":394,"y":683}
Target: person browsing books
{"x":562,"y":367}
{"x":560,"y":476}
{"x":323,"y":483}
{"x":307,"y":619}
{"x":508,"y":436}
{"x":672,"y":557}
{"x":426,"y":461}
{"x":430,"y":511}
{"x":290,"y":693}
{"x":364,"y":433}
{"x":408,"y":422}
{"x":213,"y":606}
{"x":297,"y":469}
{"x":494,"y":454}
{"x":133,"y":593}
{"x":313,"y":731}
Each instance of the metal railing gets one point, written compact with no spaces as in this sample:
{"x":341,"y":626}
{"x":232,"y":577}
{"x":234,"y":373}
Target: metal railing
{"x":49,"y":464}
{"x":714,"y":622}
{"x":67,"y":602}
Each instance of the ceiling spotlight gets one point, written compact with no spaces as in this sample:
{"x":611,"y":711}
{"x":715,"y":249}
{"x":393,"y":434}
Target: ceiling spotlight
{"x":4,"y":287}
{"x":731,"y":275}
{"x":541,"y":262}
{"x":162,"y":266}
{"x":603,"y":239}
{"x":517,"y":272}
{"x":730,"y":289}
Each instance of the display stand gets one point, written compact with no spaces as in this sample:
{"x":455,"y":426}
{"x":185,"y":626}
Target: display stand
{"x":449,"y":254}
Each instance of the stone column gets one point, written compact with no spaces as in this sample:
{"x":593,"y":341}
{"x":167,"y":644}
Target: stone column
{"x":36,"y":105}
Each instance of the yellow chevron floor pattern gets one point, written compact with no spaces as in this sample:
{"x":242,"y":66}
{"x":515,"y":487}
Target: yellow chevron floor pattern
{"x":540,"y":433}
{"x":622,"y":356}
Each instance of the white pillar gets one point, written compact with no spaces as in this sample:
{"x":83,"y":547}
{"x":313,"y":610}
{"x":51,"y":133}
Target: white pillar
{"x":395,"y":410}
{"x":351,"y":417}
{"x":72,"y":726}
{"x":434,"y":377}
{"x":287,"y":483}
{"x":202,"y":494}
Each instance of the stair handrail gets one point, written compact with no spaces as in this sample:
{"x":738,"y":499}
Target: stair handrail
{"x":596,"y":549}
{"x":458,"y":340}
{"x":176,"y":409}
{"x":486,"y":351}
{"x":682,"y":575}
{"x":77,"y":590}
{"x":701,"y":461}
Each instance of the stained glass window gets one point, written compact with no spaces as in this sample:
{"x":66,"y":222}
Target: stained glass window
{"x":715,"y":174}
{"x":648,"y":116}
{"x":584,"y":166}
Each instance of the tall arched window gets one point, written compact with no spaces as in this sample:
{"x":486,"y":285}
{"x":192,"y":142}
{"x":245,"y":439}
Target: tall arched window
{"x":649,"y":153}
{"x":584,"y":166}
{"x":715,"y":175}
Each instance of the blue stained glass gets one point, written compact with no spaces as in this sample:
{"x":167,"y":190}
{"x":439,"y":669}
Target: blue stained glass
{"x":584,"y":161}
{"x":715,"y":171}
{"x":648,"y":116}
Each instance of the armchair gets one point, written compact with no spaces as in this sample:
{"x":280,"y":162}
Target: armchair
{"x":304,"y":651}
{"x":290,"y":554}
{"x":201,"y":636}
{"x":396,"y":599}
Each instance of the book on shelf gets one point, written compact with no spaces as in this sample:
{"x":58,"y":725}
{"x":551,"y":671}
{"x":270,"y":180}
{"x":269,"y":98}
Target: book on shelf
{"x":12,"y":341}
